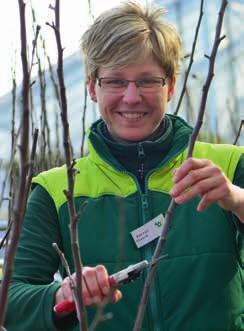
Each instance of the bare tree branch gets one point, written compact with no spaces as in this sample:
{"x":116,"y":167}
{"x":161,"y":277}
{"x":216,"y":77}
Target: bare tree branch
{"x":51,"y":73}
{"x":191,"y":59}
{"x":45,"y":129}
{"x":32,"y":160}
{"x":5,"y":235}
{"x":239,"y":132}
{"x":172,"y":206}
{"x":64,"y":263}
{"x":22,"y":188}
{"x":84,"y":121}
{"x":57,"y":145}
{"x":100,"y":317}
{"x":90,"y":10}
{"x":70,"y":174}
{"x":34,"y":44}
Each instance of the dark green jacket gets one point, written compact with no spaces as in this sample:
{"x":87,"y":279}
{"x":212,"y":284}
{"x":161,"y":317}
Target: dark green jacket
{"x":197,"y":287}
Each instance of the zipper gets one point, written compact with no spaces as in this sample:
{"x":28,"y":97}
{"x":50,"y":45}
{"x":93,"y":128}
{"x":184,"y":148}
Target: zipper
{"x":141,"y":156}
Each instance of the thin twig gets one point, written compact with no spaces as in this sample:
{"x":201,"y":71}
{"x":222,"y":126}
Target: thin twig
{"x":51,"y":73}
{"x":34,"y":44}
{"x":64,"y":263}
{"x":84,"y":121}
{"x":45,"y":130}
{"x":10,"y":164}
{"x":239,"y":132}
{"x":90,"y":10}
{"x":32,"y":161}
{"x":191,"y":59}
{"x":100,"y":317}
{"x":13,"y":151}
{"x":172,"y":206}
{"x":5,"y":235}
{"x":57,"y":145}
{"x":62,"y":258}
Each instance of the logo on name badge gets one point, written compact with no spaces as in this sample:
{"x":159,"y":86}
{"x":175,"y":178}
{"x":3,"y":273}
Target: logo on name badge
{"x":148,"y":232}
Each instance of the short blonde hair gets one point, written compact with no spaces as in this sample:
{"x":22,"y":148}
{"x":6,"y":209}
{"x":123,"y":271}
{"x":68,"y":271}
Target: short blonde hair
{"x":127,"y":34}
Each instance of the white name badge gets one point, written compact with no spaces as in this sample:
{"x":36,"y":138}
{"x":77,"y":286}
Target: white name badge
{"x":148,"y":232}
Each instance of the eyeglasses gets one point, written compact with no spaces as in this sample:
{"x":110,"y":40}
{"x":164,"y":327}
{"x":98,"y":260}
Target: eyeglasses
{"x":118,"y":85}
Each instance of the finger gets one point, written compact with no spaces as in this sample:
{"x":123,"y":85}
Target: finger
{"x":85,"y":291}
{"x":92,"y":289}
{"x":193,"y":177}
{"x":116,"y":295}
{"x":67,"y":289}
{"x":200,"y":188}
{"x":68,"y":292}
{"x":215,"y":195}
{"x":102,"y":279}
{"x":59,"y":296}
{"x":187,"y":166}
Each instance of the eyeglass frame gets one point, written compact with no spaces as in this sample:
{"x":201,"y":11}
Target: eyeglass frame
{"x":127,"y":81}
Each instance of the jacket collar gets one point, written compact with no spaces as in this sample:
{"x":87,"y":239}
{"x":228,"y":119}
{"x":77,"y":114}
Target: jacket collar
{"x":172,"y":140}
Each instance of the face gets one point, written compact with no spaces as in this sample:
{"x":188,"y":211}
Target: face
{"x":132,"y":115}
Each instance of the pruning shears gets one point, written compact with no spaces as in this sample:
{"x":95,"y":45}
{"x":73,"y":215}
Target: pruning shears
{"x":121,"y":277}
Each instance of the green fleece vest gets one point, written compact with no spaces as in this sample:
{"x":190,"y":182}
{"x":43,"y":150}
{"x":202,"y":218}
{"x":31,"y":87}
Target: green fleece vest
{"x":199,"y":285}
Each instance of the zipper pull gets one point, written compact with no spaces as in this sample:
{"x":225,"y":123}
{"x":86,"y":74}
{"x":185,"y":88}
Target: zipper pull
{"x":141,"y":156}
{"x":141,"y":153}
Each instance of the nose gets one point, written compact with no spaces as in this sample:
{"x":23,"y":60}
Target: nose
{"x":131,"y":94}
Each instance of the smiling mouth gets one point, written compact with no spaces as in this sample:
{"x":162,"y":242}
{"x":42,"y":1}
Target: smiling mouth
{"x":132,"y":115}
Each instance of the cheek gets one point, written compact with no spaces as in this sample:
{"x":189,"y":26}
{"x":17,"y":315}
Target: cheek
{"x":162,"y":98}
{"x":107,"y":102}
{"x":107,"y":106}
{"x":157,"y":103}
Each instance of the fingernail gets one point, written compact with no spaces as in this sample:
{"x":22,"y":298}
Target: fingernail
{"x":118,"y":295}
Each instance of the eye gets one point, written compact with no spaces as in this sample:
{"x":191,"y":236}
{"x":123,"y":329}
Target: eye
{"x":148,"y":82}
{"x":114,"y":82}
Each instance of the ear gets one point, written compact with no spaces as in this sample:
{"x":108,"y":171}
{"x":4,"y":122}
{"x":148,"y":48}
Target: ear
{"x":171,"y":88}
{"x":91,"y":87}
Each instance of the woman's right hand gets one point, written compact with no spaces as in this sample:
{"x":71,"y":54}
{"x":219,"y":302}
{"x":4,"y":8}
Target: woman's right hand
{"x":95,"y":288}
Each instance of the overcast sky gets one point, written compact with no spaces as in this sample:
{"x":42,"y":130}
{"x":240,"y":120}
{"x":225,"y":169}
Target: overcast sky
{"x":74,"y":18}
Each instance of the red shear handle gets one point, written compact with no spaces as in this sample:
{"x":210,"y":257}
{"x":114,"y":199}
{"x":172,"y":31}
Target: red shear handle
{"x":64,"y":306}
{"x":69,"y":306}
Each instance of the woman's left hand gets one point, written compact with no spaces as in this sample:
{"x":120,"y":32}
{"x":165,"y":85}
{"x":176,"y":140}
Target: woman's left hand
{"x":198,"y":177}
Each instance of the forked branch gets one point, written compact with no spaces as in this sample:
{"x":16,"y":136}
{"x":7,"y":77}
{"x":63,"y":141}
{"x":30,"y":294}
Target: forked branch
{"x":70,"y":174}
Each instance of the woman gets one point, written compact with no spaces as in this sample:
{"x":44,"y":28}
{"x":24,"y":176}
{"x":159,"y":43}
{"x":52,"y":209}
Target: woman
{"x":134,"y":166}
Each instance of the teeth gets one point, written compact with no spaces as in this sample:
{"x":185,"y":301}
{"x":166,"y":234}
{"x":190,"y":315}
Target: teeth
{"x":132,"y":115}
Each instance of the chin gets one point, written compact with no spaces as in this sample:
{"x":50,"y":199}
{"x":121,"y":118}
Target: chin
{"x":128,"y":135}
